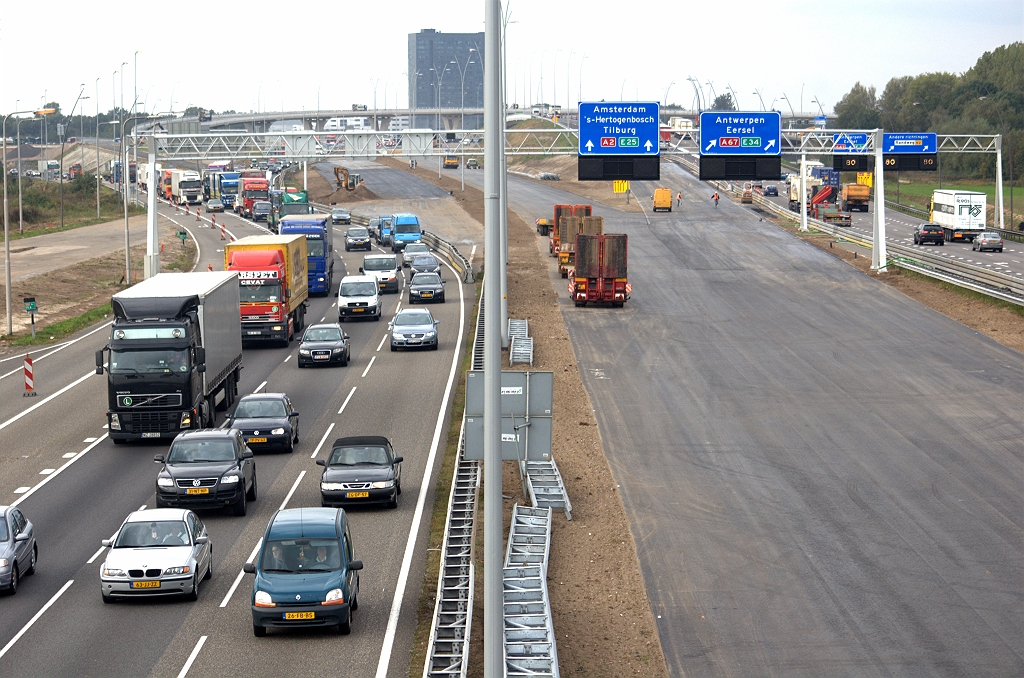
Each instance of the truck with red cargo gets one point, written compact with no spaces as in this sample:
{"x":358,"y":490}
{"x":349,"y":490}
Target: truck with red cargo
{"x":273,"y":285}
{"x":601,"y":269}
{"x":554,"y":241}
{"x":251,"y":189}
{"x":568,"y":228}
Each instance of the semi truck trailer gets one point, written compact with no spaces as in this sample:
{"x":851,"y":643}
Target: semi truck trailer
{"x":273,"y":285}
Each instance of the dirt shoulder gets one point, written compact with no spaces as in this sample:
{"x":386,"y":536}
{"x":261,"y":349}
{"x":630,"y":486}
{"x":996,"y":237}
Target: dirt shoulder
{"x":565,"y":167}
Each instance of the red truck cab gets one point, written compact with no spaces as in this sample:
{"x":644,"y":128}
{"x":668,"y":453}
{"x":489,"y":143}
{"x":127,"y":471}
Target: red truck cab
{"x":250,"y":190}
{"x":262,"y":283}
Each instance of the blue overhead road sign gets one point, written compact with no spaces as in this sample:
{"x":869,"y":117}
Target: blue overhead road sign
{"x":741,"y":133}
{"x":909,"y":142}
{"x":619,"y":128}
{"x":850,"y":142}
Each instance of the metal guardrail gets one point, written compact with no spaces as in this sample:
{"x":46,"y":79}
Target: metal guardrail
{"x":907,"y":209}
{"x":544,"y":482}
{"x":520,"y":349}
{"x":968,"y":276}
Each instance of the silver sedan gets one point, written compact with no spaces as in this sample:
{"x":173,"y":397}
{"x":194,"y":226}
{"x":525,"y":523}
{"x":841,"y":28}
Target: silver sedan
{"x":987,"y":241}
{"x":157,"y":552}
{"x":413,"y":250}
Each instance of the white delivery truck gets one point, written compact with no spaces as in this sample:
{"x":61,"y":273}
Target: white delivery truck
{"x":186,"y":187}
{"x":960,"y":213}
{"x":144,"y":175}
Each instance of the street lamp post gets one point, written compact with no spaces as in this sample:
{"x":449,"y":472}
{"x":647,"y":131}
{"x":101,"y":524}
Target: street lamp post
{"x":7,"y":231}
{"x":440,"y":79}
{"x":735,"y":99}
{"x":97,"y":148}
{"x":462,"y":123}
{"x":791,"y":113}
{"x":759,"y":98}
{"x":664,"y":98}
{"x":815,"y":101}
{"x":999,"y":166}
{"x":63,"y":138}
{"x":696,"y":91}
{"x":135,"y":137}
{"x":579,"y":93}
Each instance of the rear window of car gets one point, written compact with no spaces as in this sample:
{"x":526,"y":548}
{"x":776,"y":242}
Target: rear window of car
{"x":989,"y":235}
{"x":931,"y":229}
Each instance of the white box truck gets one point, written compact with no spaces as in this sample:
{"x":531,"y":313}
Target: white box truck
{"x":186,"y":187}
{"x":960,"y":213}
{"x":174,"y":356}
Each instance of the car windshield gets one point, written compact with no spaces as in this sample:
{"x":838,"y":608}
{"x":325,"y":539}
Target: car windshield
{"x":215,"y":203}
{"x":153,"y":533}
{"x":417,"y":248}
{"x":423,"y":262}
{"x":191,"y":451}
{"x":314,"y":248}
{"x":260,"y":409}
{"x":301,"y":555}
{"x":352,"y":456}
{"x":3,"y":529}
{"x":358,"y":233}
{"x":259,"y":293}
{"x":262,"y":207}
{"x":413,"y":318}
{"x":339,"y":213}
{"x":426,"y":279}
{"x":358,"y":289}
{"x":148,"y":361}
{"x":408,"y":228}
{"x":379,"y":264}
{"x":322,"y":334}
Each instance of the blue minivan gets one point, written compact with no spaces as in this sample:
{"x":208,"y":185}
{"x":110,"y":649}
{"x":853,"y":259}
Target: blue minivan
{"x":306,"y":572}
{"x":407,"y":230}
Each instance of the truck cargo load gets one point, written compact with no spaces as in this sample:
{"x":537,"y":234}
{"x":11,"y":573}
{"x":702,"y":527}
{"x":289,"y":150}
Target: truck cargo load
{"x":554,"y":241}
{"x":319,"y":236}
{"x":601,"y":273}
{"x":961,"y":214}
{"x":273,"y":285}
{"x":855,"y":197}
{"x":186,"y":187}
{"x":174,"y":354}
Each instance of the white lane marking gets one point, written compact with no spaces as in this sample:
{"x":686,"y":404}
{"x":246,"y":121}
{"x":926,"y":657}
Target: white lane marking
{"x":382,"y":340}
{"x":291,"y":491}
{"x":142,"y":508}
{"x":47,"y":471}
{"x":46,"y":400}
{"x":323,"y":319}
{"x":410,"y":545}
{"x":61,"y":347}
{"x":368,"y":367}
{"x":287,"y":359}
{"x":36,"y":617}
{"x":347,"y":398}
{"x":192,"y":657}
{"x":89,"y":440}
{"x":260,"y":387}
{"x":96,"y":555}
{"x":24,"y":489}
{"x":56,"y":473}
{"x":234,"y":585}
{"x":326,"y":433}
{"x":68,"y":455}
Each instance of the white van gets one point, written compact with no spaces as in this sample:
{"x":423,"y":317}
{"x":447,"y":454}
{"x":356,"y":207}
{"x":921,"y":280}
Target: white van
{"x":359,"y":297}
{"x":386,"y":269}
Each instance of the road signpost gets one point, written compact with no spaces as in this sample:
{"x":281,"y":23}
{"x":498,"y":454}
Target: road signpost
{"x":738,"y":145}
{"x":910,"y":151}
{"x":618,"y":140}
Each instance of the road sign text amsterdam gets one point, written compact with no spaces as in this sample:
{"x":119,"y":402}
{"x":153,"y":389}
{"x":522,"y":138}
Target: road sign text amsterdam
{"x":619,"y":128}
{"x":909,"y":142}
{"x":740,"y":133}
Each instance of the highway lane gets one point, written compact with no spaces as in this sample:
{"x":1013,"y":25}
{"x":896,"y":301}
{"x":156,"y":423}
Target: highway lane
{"x":822,"y":476}
{"x":88,"y":484}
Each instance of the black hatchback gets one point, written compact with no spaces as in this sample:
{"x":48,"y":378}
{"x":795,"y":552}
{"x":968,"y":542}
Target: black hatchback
{"x":209,"y":468}
{"x":267,"y":421}
{"x":361,"y":470}
{"x":929,"y":233}
{"x":324,"y":344}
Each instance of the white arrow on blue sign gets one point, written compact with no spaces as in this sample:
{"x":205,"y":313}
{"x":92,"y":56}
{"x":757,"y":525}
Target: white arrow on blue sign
{"x":619,"y":128}
{"x":741,"y":133}
{"x":909,"y":142}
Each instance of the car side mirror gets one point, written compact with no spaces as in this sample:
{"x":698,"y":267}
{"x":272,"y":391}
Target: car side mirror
{"x":436,"y":322}
{"x":391,"y":326}
{"x":287,"y":294}
{"x":321,"y":462}
{"x":443,"y":281}
{"x":247,"y":454}
{"x":106,"y":542}
{"x":201,"y":368}
{"x":99,"y":361}
{"x":248,"y":568}
{"x":22,"y":536}
{"x":361,"y":269}
{"x":202,"y":540}
{"x":200,"y":355}
{"x":355,"y":564}
{"x":346,"y":336}
{"x":158,"y":458}
{"x":398,"y":460}
{"x":293,"y":414}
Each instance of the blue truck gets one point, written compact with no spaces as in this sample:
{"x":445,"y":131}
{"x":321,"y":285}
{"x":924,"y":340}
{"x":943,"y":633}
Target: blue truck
{"x":228,"y":188}
{"x":319,"y":245}
{"x":407,"y":230}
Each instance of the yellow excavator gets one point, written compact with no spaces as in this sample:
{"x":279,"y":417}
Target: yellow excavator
{"x":345,"y":180}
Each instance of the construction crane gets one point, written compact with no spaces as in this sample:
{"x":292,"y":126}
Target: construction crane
{"x":345,"y":180}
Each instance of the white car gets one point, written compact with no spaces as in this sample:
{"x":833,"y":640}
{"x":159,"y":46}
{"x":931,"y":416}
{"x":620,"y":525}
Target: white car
{"x":413,"y":250}
{"x":359,"y":297}
{"x":385,"y":268}
{"x":157,"y":552}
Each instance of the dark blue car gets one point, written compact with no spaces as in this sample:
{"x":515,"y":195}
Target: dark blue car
{"x":306,"y":572}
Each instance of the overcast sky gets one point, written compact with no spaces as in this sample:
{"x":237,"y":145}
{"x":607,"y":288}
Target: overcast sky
{"x":231,"y":55}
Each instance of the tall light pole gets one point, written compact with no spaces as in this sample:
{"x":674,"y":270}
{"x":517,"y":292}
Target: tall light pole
{"x":462,"y":124}
{"x":791,"y":113}
{"x":735,"y":99}
{"x":580,"y":81}
{"x":63,"y":138}
{"x":81,"y":132}
{"x":815,"y":101}
{"x":554,"y":79}
{"x":714,"y":95}
{"x":664,"y":98}
{"x":999,"y":166}
{"x":439,"y":80}
{"x":759,"y":99}
{"x":7,"y":231}
{"x":802,"y":98}
{"x":121,"y":147}
{"x":97,"y":148}
{"x":696,"y":90}
{"x":135,"y":138}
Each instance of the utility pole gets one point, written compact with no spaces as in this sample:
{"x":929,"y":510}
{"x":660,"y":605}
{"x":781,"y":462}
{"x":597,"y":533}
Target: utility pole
{"x":97,"y":148}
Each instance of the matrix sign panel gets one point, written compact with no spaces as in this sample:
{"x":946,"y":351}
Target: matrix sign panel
{"x":909,"y":142}
{"x":741,"y":133}
{"x":619,"y":128}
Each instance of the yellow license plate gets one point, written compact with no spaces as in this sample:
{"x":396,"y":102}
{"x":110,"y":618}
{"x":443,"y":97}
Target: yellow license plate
{"x":357,"y":495}
{"x":300,"y":615}
{"x":145,"y":584}
{"x":198,"y":490}
{"x":427,"y":295}
{"x":358,"y":310}
{"x":257,"y":440}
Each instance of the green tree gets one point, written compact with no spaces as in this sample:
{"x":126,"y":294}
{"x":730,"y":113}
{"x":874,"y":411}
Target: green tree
{"x":723,"y":102}
{"x":858,"y":109}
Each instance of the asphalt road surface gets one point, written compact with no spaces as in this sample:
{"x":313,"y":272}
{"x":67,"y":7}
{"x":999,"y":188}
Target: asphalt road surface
{"x":89,"y":485}
{"x":823,"y":477}
{"x":386,"y":183}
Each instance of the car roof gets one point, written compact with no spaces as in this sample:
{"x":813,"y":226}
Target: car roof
{"x":320,"y":326}
{"x":417,"y":244}
{"x":378,"y":256}
{"x":264,"y":396}
{"x":425,"y":257}
{"x":207,"y":433}
{"x":358,"y":278}
{"x":414,"y":311}
{"x":361,"y":440}
{"x":309,"y":522}
{"x":146,"y":515}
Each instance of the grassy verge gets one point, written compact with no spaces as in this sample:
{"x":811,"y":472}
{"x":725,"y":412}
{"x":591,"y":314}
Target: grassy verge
{"x":41,"y":205}
{"x":439,"y":514}
{"x":64,"y":328}
{"x":962,"y":291}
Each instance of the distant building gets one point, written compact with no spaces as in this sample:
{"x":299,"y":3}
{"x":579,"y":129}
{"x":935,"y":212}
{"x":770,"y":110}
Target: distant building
{"x":431,"y":54}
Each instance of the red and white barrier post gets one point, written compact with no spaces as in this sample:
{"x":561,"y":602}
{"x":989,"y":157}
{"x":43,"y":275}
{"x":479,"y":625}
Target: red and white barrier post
{"x":30,"y":389}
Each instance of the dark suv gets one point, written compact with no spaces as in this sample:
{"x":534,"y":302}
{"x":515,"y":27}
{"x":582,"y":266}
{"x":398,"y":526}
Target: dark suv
{"x":929,"y":233}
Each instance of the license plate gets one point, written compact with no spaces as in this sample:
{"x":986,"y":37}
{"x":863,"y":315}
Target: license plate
{"x":257,"y":440}
{"x":145,"y":584}
{"x":254,"y":333}
{"x":151,"y":434}
{"x":358,"y":310}
{"x":300,"y":615}
{"x":198,"y":490}
{"x":426,"y":295}
{"x":321,"y":357}
{"x":357,"y":495}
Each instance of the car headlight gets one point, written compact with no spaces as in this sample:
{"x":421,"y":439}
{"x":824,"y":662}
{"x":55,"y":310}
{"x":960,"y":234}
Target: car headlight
{"x":262,"y":599}
{"x":430,"y":334}
{"x":111,"y":572}
{"x":229,"y":479}
{"x":337,"y":350}
{"x":115,"y":422}
{"x":3,"y":562}
{"x":334,"y":597}
{"x":186,"y":420}
{"x":184,"y":569}
{"x":319,"y":279}
{"x":303,"y":351}
{"x":277,"y":328}
{"x":332,"y":486}
{"x":164,"y":482}
{"x":277,"y":432}
{"x":396,"y":335}
{"x":383,"y":484}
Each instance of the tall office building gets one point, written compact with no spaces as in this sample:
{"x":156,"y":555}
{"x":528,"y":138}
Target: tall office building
{"x":438,"y":61}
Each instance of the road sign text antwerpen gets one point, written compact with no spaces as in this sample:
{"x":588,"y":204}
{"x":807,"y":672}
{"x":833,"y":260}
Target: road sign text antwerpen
{"x":745,"y":133}
{"x":619,"y":128}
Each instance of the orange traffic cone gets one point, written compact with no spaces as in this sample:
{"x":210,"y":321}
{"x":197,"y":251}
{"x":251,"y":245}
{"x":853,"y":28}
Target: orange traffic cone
{"x":213,"y":221}
{"x":222,"y":233}
{"x":209,"y":266}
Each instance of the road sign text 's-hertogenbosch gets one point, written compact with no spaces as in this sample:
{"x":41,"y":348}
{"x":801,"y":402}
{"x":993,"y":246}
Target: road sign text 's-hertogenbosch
{"x":909,"y":142}
{"x":740,"y":133}
{"x":619,"y":128}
